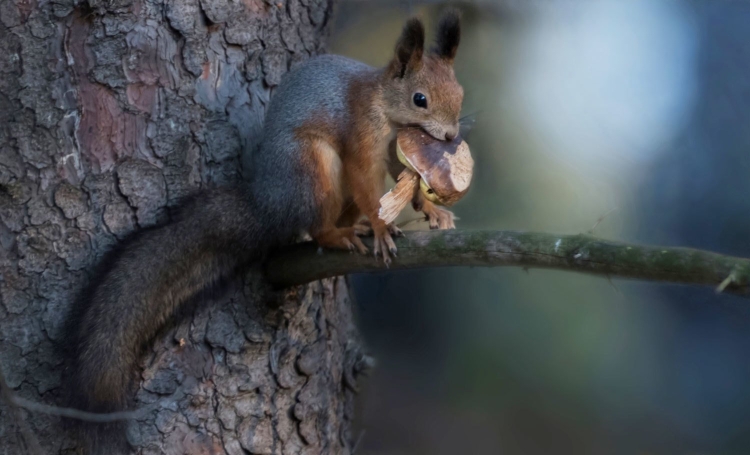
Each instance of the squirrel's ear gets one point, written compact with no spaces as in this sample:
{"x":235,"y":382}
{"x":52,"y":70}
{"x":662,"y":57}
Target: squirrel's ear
{"x":448,"y":35}
{"x":409,"y":49}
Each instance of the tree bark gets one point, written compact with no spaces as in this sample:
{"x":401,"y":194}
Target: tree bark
{"x":111,"y":112}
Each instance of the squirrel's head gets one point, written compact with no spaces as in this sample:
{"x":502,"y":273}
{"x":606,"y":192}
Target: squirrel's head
{"x":421,"y":87}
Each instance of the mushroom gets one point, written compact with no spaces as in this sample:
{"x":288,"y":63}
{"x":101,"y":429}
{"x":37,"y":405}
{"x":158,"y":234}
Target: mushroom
{"x":441,"y":170}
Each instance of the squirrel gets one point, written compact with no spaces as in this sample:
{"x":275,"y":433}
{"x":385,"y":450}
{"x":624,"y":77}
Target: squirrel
{"x":320,"y":167}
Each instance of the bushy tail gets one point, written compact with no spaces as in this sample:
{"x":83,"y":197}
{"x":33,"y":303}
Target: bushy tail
{"x":138,"y":288}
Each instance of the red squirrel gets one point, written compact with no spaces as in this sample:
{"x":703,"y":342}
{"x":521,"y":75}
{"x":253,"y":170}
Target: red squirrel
{"x":320,"y":167}
{"x":337,"y":117}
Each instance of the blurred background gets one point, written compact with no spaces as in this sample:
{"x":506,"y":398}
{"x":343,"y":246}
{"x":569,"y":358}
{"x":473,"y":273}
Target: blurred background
{"x":636,"y":109}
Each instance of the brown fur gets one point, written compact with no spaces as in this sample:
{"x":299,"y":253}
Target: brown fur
{"x":379,"y":104}
{"x":330,"y":190}
{"x":324,"y":160}
{"x":350,"y":215}
{"x":349,"y":162}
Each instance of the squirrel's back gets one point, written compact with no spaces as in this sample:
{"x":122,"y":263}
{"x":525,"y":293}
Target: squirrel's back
{"x":316,"y":89}
{"x":314,"y":95}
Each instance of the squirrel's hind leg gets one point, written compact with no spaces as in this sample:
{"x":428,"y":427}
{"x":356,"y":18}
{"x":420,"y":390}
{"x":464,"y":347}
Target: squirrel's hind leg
{"x":351,"y":215}
{"x":341,"y":235}
{"x":363,"y":228}
{"x":340,"y":238}
{"x":329,"y":200}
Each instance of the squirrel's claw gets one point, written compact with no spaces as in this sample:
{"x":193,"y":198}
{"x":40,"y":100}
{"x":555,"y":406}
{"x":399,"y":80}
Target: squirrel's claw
{"x":363,"y":228}
{"x":395,"y":231}
{"x":357,"y":243}
{"x":344,"y":239}
{"x":384,"y":244}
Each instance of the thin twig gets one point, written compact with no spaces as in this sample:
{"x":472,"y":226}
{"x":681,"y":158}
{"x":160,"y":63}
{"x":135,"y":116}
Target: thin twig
{"x":77,"y":414}
{"x":421,"y":219}
{"x":84,"y":415}
{"x":358,"y":442}
{"x":23,"y":425}
{"x":727,"y":281}
{"x":406,"y":223}
{"x":599,"y":220}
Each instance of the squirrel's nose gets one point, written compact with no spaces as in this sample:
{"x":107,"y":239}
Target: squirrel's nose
{"x":451,"y":133}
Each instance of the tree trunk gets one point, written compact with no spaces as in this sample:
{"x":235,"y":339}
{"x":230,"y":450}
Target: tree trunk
{"x":110,"y":112}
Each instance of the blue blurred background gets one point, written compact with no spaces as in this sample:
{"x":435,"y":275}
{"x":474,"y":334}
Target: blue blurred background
{"x":636,"y":109}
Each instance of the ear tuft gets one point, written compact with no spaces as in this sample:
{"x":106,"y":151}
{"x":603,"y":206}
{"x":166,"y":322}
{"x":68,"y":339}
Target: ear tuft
{"x":448,"y":35}
{"x":410,"y":47}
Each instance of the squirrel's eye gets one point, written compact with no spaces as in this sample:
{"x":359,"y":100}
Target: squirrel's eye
{"x":420,"y":100}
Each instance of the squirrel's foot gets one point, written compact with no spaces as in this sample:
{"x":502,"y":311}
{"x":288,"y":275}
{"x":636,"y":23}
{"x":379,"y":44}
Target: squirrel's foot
{"x":342,"y":239}
{"x":383,"y":243}
{"x":364,"y":228}
{"x":438,"y":217}
{"x":395,"y":230}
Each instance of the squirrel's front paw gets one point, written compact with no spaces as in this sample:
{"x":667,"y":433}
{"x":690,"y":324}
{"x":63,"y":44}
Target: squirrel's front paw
{"x":383,"y":243}
{"x":438,"y":217}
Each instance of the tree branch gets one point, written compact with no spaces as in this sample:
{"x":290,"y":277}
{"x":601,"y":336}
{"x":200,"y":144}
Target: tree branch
{"x":28,"y":436}
{"x":304,"y":262}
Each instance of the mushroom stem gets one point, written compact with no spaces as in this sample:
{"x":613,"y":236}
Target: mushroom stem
{"x":394,"y":201}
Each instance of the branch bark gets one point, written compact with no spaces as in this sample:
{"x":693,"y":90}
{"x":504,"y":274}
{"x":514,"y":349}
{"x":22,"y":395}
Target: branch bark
{"x":578,"y":253}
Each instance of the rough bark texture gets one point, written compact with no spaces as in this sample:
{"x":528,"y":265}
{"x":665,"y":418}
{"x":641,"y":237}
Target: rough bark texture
{"x":110,"y":112}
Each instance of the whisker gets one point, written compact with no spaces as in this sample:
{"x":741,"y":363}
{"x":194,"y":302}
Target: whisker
{"x":469,"y":117}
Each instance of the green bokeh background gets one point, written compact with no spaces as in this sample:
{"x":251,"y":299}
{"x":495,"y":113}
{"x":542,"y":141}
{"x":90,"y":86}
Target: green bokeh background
{"x":513,"y":361}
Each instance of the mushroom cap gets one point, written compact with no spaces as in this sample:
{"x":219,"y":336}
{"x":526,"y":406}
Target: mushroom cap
{"x":445,"y":167}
